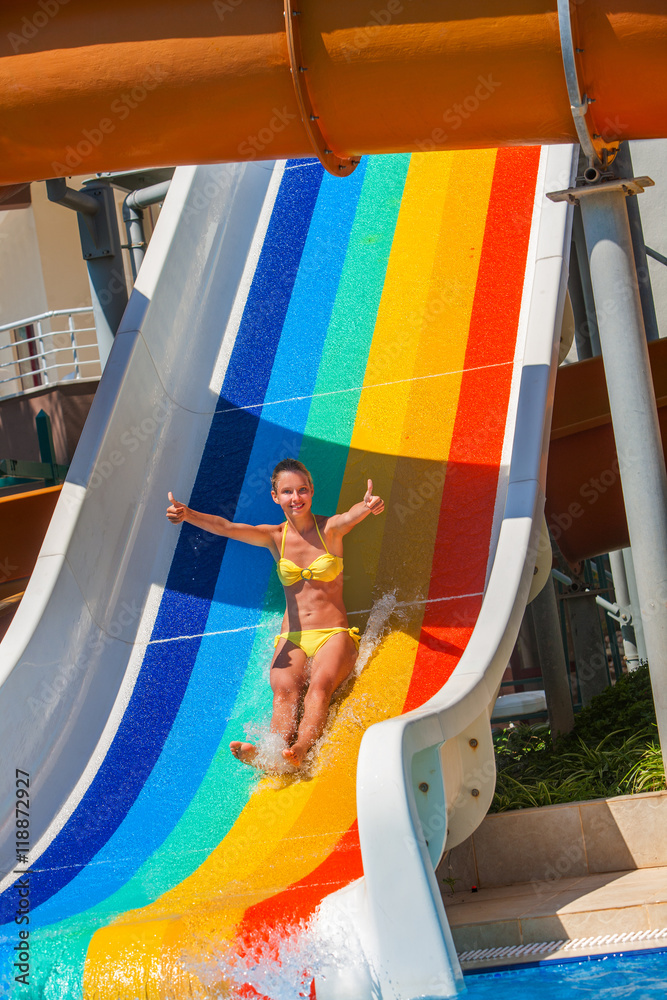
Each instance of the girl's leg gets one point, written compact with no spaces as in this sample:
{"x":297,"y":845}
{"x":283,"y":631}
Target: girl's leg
{"x":288,"y":679}
{"x":332,"y":664}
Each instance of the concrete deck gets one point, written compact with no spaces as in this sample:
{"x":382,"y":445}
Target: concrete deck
{"x":578,"y":912}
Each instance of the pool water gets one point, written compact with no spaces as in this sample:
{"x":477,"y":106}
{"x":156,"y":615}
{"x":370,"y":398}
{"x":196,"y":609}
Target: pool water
{"x":633,"y":976}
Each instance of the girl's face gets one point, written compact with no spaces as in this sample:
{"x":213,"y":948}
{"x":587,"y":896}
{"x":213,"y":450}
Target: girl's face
{"x":294,"y":493}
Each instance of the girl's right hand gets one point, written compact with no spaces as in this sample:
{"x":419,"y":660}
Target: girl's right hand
{"x":176,"y":513}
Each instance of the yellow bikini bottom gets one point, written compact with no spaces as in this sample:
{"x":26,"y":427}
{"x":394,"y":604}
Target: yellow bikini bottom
{"x":312,"y":640}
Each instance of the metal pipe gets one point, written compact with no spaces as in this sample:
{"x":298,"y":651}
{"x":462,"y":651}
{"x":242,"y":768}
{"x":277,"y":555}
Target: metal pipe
{"x":655,"y":255}
{"x":633,"y":411}
{"x":136,"y":238}
{"x":133,"y":217}
{"x":623,"y":599}
{"x":640,"y":640}
{"x":561,"y":577}
{"x":58,"y":192}
{"x":151,"y":195}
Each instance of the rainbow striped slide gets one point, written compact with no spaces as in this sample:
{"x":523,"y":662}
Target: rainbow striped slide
{"x":375,"y":327}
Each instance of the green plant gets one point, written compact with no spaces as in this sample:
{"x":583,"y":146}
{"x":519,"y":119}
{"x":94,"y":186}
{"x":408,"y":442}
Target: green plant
{"x":451,"y":882}
{"x":612,"y":750}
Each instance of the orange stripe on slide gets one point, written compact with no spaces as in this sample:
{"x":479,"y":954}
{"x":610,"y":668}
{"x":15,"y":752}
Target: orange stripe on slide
{"x":471,"y":482}
{"x":301,"y":899}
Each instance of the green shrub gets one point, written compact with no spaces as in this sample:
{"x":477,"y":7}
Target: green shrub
{"x":612,"y":750}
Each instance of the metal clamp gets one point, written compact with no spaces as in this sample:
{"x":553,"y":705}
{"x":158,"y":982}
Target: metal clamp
{"x":333,"y":163}
{"x":615,"y":611}
{"x":595,"y":185}
{"x":597,"y":153}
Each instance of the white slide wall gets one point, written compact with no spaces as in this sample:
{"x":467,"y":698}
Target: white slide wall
{"x":69,"y":660}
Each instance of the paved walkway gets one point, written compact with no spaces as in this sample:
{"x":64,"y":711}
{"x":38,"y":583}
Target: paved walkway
{"x":589,"y":914}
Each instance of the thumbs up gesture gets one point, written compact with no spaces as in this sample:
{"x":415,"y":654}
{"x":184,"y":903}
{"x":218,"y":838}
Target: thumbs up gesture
{"x":374,"y":503}
{"x":177,"y":511}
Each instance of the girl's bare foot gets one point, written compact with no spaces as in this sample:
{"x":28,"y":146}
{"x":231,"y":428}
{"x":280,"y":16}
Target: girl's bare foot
{"x":243,"y":751}
{"x":294,"y":755}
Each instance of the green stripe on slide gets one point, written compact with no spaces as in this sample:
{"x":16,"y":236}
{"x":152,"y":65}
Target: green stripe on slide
{"x":345,"y":354}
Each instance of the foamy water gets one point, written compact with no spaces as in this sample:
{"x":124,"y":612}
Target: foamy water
{"x":282,"y":964}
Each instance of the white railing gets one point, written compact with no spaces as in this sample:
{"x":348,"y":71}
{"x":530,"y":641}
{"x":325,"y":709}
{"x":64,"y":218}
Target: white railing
{"x":52,"y":347}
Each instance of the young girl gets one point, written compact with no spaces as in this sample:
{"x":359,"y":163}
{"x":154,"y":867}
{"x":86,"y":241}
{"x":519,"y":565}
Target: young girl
{"x":308,"y":550}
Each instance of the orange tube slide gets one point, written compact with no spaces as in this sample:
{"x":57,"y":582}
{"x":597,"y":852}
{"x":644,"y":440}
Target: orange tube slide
{"x":121,"y":84}
{"x":584,"y":505}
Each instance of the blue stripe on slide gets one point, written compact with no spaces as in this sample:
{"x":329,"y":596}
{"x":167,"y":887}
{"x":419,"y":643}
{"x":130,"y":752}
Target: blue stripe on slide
{"x":281,"y":425}
{"x":166,"y":670}
{"x":221,"y":659}
{"x":232,"y":433}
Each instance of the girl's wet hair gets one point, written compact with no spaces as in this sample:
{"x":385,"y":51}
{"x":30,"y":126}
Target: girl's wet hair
{"x":290,"y":465}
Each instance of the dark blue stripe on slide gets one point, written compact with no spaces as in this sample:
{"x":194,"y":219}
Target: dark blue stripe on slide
{"x":184,"y":608}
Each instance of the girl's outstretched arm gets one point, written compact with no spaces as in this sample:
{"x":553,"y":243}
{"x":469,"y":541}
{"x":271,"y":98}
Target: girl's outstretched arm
{"x":371,"y":504}
{"x":253,"y":534}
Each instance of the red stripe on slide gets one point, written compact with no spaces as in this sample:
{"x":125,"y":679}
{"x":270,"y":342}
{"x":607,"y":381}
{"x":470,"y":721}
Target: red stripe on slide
{"x":300,"y":900}
{"x":466,"y":515}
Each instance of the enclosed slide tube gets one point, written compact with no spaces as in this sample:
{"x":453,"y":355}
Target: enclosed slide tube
{"x":115,"y":85}
{"x":425,"y":779}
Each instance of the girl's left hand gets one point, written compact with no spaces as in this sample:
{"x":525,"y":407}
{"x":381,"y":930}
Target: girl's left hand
{"x":374,"y":503}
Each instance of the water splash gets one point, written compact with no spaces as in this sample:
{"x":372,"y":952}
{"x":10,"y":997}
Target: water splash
{"x":283,"y":963}
{"x":270,"y":748}
{"x":379,"y":624}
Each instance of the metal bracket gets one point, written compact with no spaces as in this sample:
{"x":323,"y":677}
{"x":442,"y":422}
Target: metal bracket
{"x":333,"y":163}
{"x":104,"y":241}
{"x":96,"y":209}
{"x":627,"y":185}
{"x":596,"y":152}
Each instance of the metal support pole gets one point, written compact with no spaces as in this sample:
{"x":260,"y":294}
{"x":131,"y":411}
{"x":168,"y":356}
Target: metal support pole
{"x":589,"y":650}
{"x":100,"y":246}
{"x":622,"y":167}
{"x":544,"y":613}
{"x":623,"y":600}
{"x":579,"y":241}
{"x":582,"y":323}
{"x":632,"y":402}
{"x":630,"y":576}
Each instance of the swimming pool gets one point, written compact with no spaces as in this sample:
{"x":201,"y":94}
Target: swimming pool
{"x":640,"y":975}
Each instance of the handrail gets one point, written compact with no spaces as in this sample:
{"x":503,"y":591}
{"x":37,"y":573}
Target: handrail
{"x":45,"y":315}
{"x":44,"y":371}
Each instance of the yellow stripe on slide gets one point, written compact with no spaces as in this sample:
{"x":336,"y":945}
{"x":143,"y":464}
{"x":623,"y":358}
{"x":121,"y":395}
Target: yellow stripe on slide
{"x":431,"y":309}
{"x":383,"y":404}
{"x":427,"y":431}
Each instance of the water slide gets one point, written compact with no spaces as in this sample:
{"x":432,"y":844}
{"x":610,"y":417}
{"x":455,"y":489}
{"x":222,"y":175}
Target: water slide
{"x":399,"y":324}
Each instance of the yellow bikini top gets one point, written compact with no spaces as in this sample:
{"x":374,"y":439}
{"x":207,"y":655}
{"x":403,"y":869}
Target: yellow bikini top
{"x":326,"y":567}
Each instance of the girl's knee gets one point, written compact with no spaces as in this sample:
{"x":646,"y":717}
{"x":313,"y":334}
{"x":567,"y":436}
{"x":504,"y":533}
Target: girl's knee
{"x":321,"y":690}
{"x":287,"y":690}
